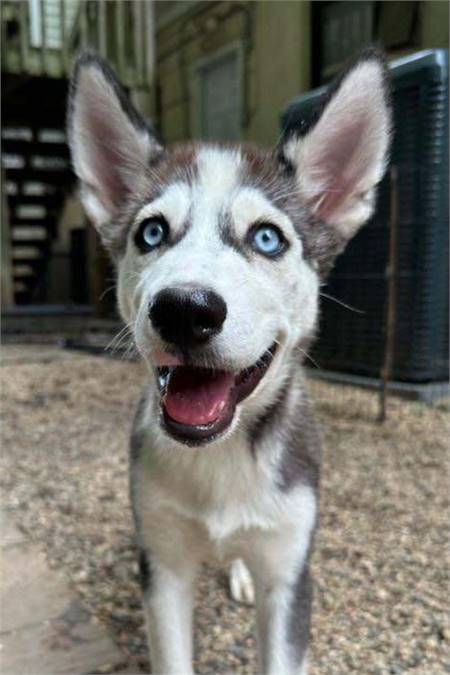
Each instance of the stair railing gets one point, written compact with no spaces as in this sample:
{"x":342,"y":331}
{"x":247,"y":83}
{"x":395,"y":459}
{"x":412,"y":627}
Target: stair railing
{"x":41,"y":37}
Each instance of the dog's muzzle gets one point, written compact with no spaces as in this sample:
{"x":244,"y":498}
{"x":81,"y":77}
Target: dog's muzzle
{"x":198,"y":404}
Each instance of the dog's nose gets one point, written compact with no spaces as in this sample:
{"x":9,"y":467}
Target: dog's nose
{"x":187,"y":317}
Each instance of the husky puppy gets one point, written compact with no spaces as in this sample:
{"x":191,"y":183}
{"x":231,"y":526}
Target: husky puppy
{"x":220,"y":251}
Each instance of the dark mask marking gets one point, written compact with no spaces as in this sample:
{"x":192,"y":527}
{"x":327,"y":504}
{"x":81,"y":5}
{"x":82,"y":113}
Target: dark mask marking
{"x":300,"y":459}
{"x":229,"y":237}
{"x":145,"y":571}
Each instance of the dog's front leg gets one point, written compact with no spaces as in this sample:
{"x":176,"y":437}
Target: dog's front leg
{"x":283,"y":618}
{"x":279,"y":563}
{"x":168,"y":604}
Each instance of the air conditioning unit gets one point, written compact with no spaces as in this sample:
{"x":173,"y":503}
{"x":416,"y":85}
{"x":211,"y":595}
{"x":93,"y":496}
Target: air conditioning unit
{"x":354,"y":341}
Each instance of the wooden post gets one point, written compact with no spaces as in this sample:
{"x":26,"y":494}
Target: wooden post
{"x":391,"y":309}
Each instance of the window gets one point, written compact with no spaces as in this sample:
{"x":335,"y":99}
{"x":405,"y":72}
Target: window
{"x":217,"y":96}
{"x":340,"y":30}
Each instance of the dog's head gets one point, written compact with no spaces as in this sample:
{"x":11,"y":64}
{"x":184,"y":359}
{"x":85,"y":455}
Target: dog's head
{"x":220,"y":250}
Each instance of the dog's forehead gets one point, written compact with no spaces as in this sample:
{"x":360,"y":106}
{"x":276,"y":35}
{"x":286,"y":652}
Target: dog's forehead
{"x":219,"y":171}
{"x":213,"y":178}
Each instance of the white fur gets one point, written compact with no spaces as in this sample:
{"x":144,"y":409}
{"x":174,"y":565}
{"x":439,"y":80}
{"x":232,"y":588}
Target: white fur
{"x":168,"y":616}
{"x":241,"y":583}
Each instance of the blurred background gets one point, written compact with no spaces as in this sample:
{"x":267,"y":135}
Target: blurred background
{"x":239,"y":71}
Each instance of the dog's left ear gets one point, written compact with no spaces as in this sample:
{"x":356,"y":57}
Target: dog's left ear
{"x":341,"y":159}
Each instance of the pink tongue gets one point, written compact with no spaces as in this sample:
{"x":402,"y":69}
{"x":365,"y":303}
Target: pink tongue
{"x":196,"y":396}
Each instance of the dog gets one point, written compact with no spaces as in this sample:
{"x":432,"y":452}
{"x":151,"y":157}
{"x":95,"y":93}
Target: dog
{"x":220,"y":252}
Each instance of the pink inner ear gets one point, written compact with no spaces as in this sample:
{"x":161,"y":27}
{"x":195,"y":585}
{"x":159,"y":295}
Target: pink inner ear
{"x":341,"y":162}
{"x":108,"y":164}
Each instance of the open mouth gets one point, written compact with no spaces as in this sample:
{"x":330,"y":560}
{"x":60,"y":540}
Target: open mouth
{"x":198,"y":404}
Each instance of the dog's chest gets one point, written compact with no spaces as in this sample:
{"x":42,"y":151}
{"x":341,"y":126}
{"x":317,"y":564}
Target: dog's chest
{"x":225,"y":491}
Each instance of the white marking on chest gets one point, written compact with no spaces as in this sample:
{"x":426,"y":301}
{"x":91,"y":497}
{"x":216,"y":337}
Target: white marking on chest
{"x":228,"y":493}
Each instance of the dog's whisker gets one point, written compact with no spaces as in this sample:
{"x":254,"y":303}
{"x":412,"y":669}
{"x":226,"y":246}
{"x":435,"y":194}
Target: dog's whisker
{"x":309,"y":357}
{"x":106,"y":291}
{"x":340,"y":302}
{"x":115,"y":343}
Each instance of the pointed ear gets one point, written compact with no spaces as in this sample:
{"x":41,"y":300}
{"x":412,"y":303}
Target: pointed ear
{"x":339,"y":162}
{"x":110,"y":142}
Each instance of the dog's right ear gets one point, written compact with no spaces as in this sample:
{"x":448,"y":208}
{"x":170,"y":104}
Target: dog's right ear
{"x":111,"y":144}
{"x":339,"y":162}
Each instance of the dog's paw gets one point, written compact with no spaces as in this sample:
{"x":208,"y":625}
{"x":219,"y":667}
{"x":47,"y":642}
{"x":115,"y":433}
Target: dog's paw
{"x":241,"y":583}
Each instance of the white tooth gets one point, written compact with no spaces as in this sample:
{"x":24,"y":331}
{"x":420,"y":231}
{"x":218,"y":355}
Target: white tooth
{"x":163,"y":377}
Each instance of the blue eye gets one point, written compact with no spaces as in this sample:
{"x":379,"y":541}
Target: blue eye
{"x":268,"y":240}
{"x":151,"y":234}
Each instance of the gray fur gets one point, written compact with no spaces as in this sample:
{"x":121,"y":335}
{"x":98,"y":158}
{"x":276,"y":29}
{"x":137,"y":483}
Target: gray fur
{"x":300,"y":613}
{"x":300,"y":459}
{"x":145,"y":571}
{"x":229,"y":238}
{"x":137,"y":438}
{"x":302,"y":448}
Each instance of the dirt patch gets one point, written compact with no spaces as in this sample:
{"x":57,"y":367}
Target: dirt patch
{"x":380,"y":562}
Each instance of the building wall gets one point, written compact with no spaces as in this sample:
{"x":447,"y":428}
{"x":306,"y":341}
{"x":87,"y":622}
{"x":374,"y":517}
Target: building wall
{"x":282,"y":63}
{"x":435,"y":23}
{"x":275,"y":40}
{"x":276,"y":36}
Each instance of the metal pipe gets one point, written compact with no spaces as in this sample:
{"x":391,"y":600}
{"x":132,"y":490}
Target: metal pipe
{"x":149,"y":42}
{"x":83,"y":24}
{"x":138,"y":42}
{"x":62,"y":18}
{"x":391,"y":309}
{"x":43,"y":37}
{"x":120,"y":39}
{"x":101,"y":28}
{"x":24,"y":36}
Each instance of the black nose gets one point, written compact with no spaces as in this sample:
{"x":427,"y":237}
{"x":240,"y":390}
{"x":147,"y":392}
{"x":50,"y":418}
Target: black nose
{"x":187,"y":317}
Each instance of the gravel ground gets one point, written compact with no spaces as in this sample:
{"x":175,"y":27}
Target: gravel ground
{"x":380,"y":564}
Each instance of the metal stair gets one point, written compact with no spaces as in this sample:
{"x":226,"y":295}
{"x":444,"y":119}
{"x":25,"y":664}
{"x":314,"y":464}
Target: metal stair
{"x":37,"y":176}
{"x":39,"y":41}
